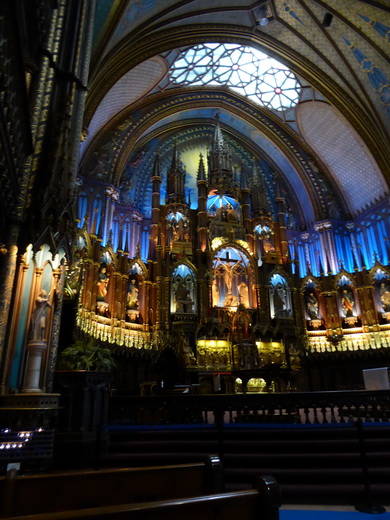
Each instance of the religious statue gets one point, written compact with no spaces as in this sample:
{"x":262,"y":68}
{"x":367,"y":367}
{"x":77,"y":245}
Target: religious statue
{"x":132,"y":296}
{"x":221,"y":214}
{"x":102,"y":283}
{"x":312,"y":305}
{"x":188,"y":354}
{"x":347,"y":301}
{"x":243,"y":294}
{"x":279,"y":299}
{"x":38,"y":318}
{"x":183,"y":298}
{"x":180,"y":230}
{"x":228,"y":275}
{"x":384,"y":295}
{"x":215,"y":293}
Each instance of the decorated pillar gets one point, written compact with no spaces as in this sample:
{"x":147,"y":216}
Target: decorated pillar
{"x":59,"y":281}
{"x":154,"y":228}
{"x":202,"y":220}
{"x":9,"y":253}
{"x":280,"y":202}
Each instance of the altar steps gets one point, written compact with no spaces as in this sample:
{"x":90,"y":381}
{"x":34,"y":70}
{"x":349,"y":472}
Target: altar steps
{"x":314,"y":464}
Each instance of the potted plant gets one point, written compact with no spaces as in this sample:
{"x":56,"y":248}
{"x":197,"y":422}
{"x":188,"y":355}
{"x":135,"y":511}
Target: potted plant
{"x":86,"y":354}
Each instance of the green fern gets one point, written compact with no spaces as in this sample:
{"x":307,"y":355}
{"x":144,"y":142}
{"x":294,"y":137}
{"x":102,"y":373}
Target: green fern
{"x":86,"y":355}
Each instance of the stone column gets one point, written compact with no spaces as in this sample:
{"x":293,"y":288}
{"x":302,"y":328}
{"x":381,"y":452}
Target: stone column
{"x":52,"y":361}
{"x":6,"y":284}
{"x":35,"y":350}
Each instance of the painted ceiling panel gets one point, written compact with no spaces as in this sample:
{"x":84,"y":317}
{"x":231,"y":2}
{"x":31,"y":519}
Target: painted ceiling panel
{"x":102,"y":15}
{"x":136,"y":83}
{"x":344,"y":153}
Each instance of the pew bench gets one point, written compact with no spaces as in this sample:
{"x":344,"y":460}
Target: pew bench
{"x":71,"y":490}
{"x":261,"y":503}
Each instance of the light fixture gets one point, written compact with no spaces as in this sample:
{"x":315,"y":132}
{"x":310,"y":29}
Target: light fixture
{"x":261,"y":14}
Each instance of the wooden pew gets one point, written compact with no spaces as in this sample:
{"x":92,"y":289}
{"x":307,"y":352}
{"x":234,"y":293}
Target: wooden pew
{"x":261,"y":503}
{"x":51,"y":492}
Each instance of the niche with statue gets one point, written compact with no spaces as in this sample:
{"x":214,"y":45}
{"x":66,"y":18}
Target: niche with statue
{"x":183,"y":290}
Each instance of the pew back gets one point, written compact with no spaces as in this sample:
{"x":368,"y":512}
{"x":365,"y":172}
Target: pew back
{"x":257,"y":504}
{"x":46,"y":493}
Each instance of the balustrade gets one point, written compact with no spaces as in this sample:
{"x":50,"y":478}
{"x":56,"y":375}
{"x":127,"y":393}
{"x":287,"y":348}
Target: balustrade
{"x":283,"y":408}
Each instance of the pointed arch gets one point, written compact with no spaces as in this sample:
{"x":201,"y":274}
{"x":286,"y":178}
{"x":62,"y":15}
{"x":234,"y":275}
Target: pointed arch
{"x":233,"y":277}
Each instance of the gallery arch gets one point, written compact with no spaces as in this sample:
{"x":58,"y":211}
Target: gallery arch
{"x":210,"y":191}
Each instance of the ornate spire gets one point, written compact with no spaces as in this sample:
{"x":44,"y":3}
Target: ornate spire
{"x":260,"y":203}
{"x":218,"y":145}
{"x":221,"y":170}
{"x":201,"y":170}
{"x":156,"y":166}
{"x":175,"y":179}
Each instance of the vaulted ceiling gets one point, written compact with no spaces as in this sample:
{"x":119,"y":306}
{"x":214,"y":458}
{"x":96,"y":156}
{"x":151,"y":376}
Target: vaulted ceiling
{"x":330,"y":152}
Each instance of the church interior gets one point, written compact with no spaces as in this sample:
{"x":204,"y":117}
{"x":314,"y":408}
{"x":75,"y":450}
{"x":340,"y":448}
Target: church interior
{"x":194,"y":193}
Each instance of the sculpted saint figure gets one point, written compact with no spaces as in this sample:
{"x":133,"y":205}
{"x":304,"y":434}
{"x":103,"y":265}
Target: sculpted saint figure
{"x":102,"y":283}
{"x":132,"y":296}
{"x":38,"y":318}
{"x":312,"y":305}
{"x":347,"y":302}
{"x":215,"y":293}
{"x":384,"y":294}
{"x":243,"y":294}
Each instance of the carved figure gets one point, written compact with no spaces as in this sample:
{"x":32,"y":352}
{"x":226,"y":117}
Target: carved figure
{"x":188,"y":354}
{"x":312,"y":305}
{"x":38,"y":318}
{"x":215,"y":293}
{"x":384,"y":295}
{"x":102,"y":283}
{"x":230,"y":300}
{"x":221,"y":214}
{"x":243,"y":294}
{"x":183,"y":298}
{"x":347,"y":301}
{"x":132,"y":296}
{"x":279,"y":299}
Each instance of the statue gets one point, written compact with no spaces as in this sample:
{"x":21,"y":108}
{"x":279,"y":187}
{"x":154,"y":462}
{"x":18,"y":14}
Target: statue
{"x":132,"y":296}
{"x":221,"y":214}
{"x":188,"y":354}
{"x":384,"y":295}
{"x":231,"y":214}
{"x":230,"y":300}
{"x":279,"y":300}
{"x":215,"y":293}
{"x":312,"y":305}
{"x":38,"y":318}
{"x":347,"y":301}
{"x":243,"y":294}
{"x":102,"y":283}
{"x":182,"y":297}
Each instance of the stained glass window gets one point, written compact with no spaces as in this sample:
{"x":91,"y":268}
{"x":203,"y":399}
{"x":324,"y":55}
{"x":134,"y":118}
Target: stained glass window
{"x":245,"y":70}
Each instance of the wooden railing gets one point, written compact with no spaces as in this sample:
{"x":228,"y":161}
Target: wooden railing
{"x":288,"y":408}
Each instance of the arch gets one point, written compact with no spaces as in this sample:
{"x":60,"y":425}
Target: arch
{"x":183,"y":292}
{"x":233,"y":277}
{"x":310,"y":295}
{"x":119,"y":62}
{"x":280,"y":296}
{"x":381,"y":285}
{"x":348,"y":304}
